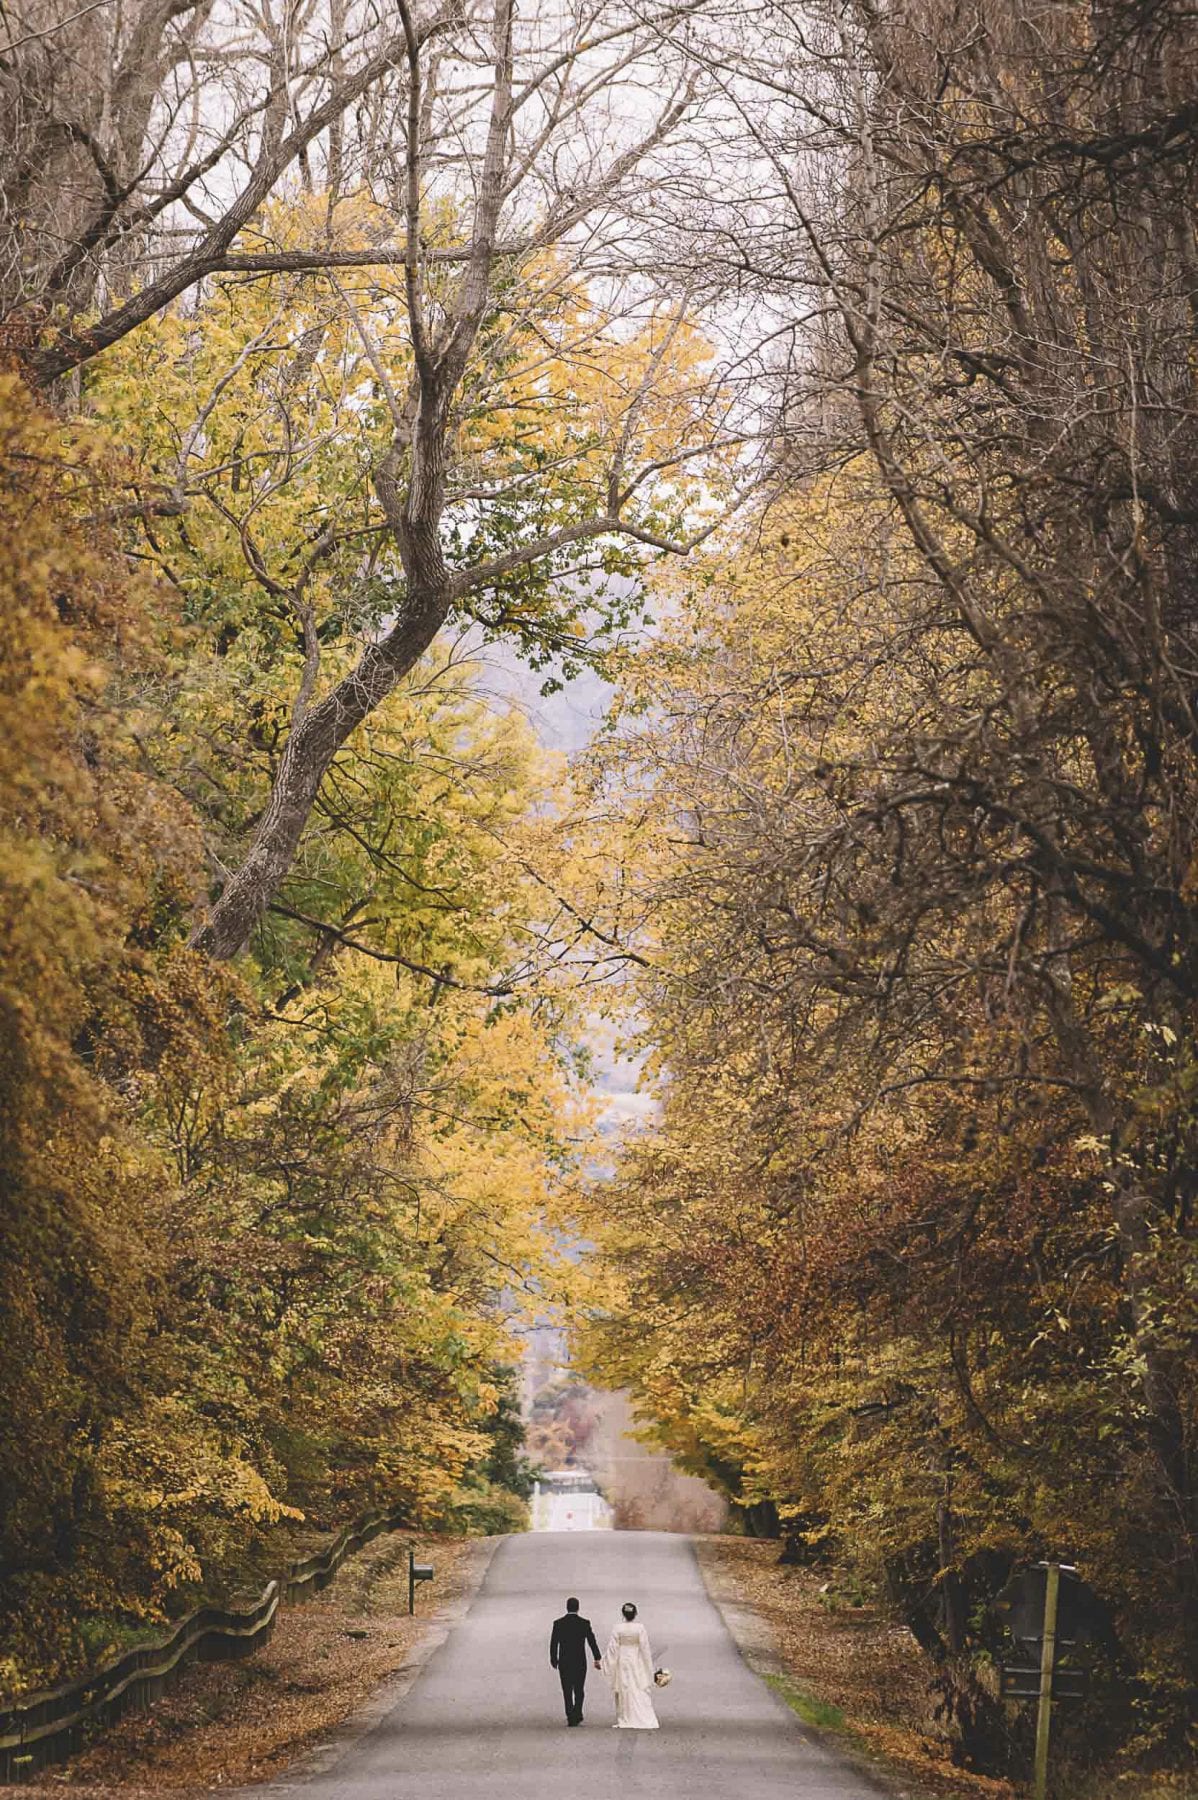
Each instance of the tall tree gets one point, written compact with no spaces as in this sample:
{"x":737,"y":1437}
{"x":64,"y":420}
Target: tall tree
{"x":484,"y":140}
{"x":1008,"y":282}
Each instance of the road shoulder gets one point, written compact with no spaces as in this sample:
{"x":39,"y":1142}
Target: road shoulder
{"x":334,"y":1668}
{"x":855,"y":1682}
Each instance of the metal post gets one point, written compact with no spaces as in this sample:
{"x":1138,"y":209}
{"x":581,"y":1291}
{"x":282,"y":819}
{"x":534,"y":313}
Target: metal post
{"x":412,"y":1581}
{"x":1048,"y":1654}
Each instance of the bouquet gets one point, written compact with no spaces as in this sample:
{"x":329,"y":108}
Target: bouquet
{"x":662,"y":1678}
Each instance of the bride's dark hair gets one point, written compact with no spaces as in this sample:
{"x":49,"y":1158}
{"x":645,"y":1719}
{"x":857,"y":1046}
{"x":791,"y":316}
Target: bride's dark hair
{"x":629,"y":1610}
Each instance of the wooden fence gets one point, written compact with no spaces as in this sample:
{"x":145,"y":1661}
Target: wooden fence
{"x":46,"y":1727}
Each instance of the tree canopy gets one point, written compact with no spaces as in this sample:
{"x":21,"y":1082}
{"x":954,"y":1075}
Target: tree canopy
{"x":905,"y":791}
{"x":824,"y":378}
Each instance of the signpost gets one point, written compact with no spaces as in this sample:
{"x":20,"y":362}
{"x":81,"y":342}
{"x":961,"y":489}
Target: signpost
{"x":1048,"y":1657}
{"x":416,"y":1572}
{"x":1047,"y":1608}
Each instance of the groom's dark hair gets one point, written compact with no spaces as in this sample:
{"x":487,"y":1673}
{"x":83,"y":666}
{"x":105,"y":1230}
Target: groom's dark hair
{"x":571,"y":1606}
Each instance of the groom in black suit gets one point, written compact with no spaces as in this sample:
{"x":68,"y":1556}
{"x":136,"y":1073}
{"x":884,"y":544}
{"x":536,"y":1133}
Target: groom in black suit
{"x":572,"y":1635}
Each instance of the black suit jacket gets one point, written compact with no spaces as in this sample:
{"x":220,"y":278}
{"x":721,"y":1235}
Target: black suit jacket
{"x":568,"y":1644}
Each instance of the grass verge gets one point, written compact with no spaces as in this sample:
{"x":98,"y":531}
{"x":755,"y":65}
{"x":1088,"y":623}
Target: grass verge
{"x":821,"y":1715}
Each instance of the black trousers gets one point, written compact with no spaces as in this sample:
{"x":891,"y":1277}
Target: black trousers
{"x":574,"y":1680}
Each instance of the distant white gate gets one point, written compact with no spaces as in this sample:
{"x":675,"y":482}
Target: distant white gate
{"x":568,"y":1500}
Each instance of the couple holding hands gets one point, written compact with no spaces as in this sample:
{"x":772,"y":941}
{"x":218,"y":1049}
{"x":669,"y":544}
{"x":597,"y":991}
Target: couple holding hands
{"x":627,"y":1663}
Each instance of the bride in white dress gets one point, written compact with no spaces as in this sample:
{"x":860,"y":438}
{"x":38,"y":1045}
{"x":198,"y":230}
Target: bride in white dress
{"x":628,"y":1665}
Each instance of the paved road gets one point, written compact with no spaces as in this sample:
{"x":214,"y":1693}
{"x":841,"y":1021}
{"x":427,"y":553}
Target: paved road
{"x":485,"y":1717}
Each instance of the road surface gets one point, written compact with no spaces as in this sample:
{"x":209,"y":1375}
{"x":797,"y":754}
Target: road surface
{"x":484,"y":1720}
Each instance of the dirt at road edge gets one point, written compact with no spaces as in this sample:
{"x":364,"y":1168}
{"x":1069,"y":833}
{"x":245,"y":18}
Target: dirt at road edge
{"x":331,"y":1667}
{"x":851,"y":1676}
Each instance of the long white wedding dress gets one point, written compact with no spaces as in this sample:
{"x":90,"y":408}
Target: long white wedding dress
{"x":628,"y":1665}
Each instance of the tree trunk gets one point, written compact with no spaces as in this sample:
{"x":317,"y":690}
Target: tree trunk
{"x":952,"y":1600}
{"x":761,"y":1520}
{"x":419,"y":448}
{"x":315,"y":739}
{"x":908,"y":1593}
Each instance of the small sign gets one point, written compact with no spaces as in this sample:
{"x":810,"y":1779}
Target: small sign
{"x":1080,"y":1613}
{"x":416,"y":1572}
{"x":1021,"y":1681}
